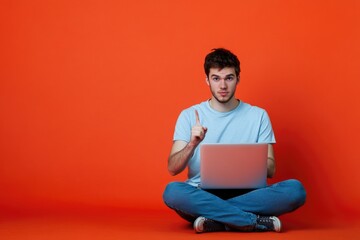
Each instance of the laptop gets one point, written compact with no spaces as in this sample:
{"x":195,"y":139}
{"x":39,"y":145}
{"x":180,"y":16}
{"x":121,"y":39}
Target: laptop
{"x":233,"y":166}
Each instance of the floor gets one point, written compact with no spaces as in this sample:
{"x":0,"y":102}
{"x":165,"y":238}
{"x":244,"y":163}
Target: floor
{"x":146,"y":224}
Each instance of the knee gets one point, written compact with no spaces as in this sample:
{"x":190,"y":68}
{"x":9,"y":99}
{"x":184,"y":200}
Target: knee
{"x":171,"y":193}
{"x":297,"y":192}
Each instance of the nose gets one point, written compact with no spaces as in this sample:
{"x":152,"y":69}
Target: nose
{"x":223,"y":84}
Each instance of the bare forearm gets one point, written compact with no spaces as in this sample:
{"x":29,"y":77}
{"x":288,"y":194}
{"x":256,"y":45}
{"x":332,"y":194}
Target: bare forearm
{"x":178,"y":161}
{"x":182,"y":151}
{"x":270,"y":167}
{"x":270,"y":161}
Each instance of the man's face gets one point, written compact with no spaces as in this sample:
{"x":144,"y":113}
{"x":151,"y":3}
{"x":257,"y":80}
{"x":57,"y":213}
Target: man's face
{"x":222,"y":83}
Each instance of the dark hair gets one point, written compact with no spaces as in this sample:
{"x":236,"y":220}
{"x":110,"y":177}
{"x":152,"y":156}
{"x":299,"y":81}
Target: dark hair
{"x":221,"y":58}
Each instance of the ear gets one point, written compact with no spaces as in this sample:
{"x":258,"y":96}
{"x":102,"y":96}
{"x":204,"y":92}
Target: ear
{"x":207,"y":81}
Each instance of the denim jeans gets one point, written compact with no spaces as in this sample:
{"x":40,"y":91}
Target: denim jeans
{"x":240,"y":211}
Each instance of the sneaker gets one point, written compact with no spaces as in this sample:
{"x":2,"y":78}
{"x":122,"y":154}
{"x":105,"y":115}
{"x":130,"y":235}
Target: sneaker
{"x":203,"y":224}
{"x":264,"y":223}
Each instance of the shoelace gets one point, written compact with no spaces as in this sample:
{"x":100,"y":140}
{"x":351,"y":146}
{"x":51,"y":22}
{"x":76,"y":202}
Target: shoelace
{"x":265,"y":220}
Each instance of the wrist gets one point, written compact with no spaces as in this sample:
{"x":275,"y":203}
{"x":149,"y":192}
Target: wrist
{"x":192,"y":145}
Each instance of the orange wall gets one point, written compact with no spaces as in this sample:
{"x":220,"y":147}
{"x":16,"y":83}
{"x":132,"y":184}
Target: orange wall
{"x":90,"y":91}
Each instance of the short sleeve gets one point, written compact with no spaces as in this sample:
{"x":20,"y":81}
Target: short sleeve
{"x":183,"y":127}
{"x":266,"y":133}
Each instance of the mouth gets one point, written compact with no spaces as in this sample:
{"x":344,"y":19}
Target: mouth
{"x":223,"y":94}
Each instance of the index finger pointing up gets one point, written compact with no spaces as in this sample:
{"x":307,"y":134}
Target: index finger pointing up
{"x":197,"y":118}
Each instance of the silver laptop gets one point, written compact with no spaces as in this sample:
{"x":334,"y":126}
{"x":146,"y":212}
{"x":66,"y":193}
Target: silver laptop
{"x":233,"y":166}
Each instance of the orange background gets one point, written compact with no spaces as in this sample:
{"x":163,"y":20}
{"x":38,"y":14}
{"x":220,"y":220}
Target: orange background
{"x":90,"y":92}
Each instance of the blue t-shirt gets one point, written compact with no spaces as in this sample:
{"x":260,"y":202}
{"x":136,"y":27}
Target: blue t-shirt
{"x":244,"y":124}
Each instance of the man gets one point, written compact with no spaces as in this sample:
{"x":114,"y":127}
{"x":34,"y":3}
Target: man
{"x":225,"y":119}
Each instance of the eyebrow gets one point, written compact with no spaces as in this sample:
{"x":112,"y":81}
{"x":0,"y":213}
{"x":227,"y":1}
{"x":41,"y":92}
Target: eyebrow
{"x":229,"y":75}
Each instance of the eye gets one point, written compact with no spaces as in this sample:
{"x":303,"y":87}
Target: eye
{"x":215,"y":79}
{"x":229,"y":79}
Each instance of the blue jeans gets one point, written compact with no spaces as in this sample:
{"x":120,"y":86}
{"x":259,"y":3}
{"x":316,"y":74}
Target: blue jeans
{"x":239,"y":212}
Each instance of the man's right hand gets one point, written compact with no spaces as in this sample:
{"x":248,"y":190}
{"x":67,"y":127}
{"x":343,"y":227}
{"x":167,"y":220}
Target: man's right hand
{"x":198,"y":132}
{"x":182,"y":151}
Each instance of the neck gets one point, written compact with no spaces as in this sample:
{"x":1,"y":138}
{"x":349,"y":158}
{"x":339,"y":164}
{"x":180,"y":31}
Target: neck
{"x":223,"y":107}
